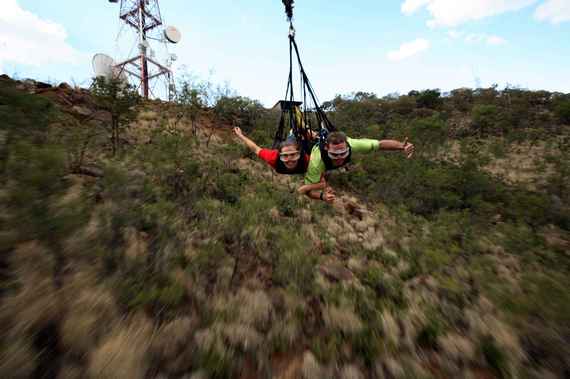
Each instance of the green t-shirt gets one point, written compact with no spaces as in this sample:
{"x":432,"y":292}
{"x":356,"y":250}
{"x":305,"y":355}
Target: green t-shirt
{"x":317,"y":166}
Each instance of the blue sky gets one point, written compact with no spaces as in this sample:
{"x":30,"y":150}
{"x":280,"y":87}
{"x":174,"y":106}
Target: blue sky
{"x":375,"y":46}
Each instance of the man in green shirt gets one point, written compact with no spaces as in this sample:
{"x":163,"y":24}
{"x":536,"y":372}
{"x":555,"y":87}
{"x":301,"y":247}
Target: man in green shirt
{"x":337,"y":152}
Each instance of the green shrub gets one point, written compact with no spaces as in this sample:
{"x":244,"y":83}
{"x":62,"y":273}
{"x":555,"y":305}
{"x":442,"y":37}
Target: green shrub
{"x":562,"y":111}
{"x":430,"y":98}
{"x":327,"y":348}
{"x":428,"y":335}
{"x":35,"y":185}
{"x":228,"y":188}
{"x":294,"y":264}
{"x":367,"y":345}
{"x":384,"y":286}
{"x":494,"y":356}
{"x":485,"y":118}
{"x":218,"y":365}
{"x":238,"y":110}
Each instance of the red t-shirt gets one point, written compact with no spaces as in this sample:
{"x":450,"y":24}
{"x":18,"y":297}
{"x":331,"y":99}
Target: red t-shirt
{"x":269,"y":156}
{"x":272,"y":156}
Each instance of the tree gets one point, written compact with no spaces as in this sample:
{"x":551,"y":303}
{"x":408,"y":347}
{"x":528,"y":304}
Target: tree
{"x":120,"y":100}
{"x":193,"y":100}
{"x":238,"y":110}
{"x":430,"y":98}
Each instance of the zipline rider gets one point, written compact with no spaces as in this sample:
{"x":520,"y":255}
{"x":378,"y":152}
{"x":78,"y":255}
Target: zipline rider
{"x":337,"y":152}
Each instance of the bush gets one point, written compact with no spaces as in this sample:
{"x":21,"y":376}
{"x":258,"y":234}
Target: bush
{"x":563,"y":112}
{"x":150,"y":291}
{"x":485,"y":118}
{"x":385,"y":287}
{"x":294,"y":262}
{"x":429,"y":135}
{"x":430,"y":98}
{"x":494,"y":356}
{"x":428,"y":335}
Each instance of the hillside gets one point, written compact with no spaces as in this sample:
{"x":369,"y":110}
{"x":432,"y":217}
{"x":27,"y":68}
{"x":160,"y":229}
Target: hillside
{"x":183,"y":256}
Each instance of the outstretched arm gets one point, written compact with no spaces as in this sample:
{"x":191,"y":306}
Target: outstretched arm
{"x":249,"y":143}
{"x":406,"y":147}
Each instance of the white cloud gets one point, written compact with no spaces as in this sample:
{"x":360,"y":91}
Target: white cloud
{"x":554,"y":11}
{"x":452,"y":13}
{"x":410,"y":6}
{"x":454,"y":34}
{"x":485,"y":38}
{"x":27,"y":39}
{"x":409,"y":49}
{"x":496,"y":40}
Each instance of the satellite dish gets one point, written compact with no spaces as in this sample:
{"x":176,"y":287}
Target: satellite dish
{"x":103,"y":65}
{"x":172,"y":34}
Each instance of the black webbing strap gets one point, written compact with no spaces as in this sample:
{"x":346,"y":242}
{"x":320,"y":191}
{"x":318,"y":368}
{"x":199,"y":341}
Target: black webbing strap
{"x":324,"y":122}
{"x":288,"y":8}
{"x":303,"y":129}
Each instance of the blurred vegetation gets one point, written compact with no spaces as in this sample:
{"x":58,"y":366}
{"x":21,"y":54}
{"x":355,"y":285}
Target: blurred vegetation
{"x":174,"y":228}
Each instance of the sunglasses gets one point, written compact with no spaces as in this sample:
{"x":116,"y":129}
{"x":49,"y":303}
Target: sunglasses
{"x":338,"y":154}
{"x":290,"y":156}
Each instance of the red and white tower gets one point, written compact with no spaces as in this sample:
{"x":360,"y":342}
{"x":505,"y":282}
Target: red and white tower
{"x":144,"y":17}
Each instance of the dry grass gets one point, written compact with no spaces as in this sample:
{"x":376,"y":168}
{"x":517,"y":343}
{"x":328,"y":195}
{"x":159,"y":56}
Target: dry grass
{"x":391,"y":366}
{"x":350,"y":372}
{"x":311,"y":368}
{"x":124,"y":353}
{"x":92,"y":314}
{"x":36,"y":302}
{"x":137,"y":243}
{"x":172,"y":346}
{"x":242,"y":337}
{"x":17,"y":359}
{"x":390,"y":329}
{"x":254,"y":308}
{"x":457,"y":348}
{"x":342,"y":319}
{"x":71,"y":371}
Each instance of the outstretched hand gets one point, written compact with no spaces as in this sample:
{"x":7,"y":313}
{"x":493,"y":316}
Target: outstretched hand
{"x":408,"y":148}
{"x":328,"y":195}
{"x":238,"y":132}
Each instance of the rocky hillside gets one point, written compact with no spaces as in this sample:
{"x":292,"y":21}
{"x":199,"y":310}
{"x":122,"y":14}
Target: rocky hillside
{"x":182,"y":256}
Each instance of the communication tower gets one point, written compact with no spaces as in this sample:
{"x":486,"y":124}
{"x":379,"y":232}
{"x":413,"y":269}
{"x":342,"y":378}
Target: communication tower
{"x":143,"y":69}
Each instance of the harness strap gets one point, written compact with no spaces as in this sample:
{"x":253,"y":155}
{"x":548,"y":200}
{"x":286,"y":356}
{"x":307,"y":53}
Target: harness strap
{"x":300,"y":127}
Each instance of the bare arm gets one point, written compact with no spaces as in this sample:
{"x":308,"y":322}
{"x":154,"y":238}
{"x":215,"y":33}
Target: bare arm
{"x":249,"y":143}
{"x":327,"y":194}
{"x":390,"y":144}
{"x":306,"y":188}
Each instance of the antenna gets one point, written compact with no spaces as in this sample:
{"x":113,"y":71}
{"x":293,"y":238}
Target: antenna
{"x":145,"y":18}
